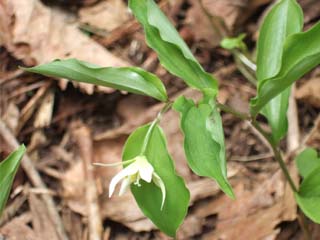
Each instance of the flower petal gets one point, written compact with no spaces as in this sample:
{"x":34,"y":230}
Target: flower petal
{"x":145,"y":169}
{"x":124,"y":186}
{"x":158,"y":181}
{"x":129,"y":170}
{"x":114,"y":164}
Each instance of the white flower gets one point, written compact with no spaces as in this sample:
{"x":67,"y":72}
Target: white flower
{"x":139,"y":168}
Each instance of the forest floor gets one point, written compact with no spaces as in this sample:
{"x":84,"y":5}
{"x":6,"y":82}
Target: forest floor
{"x":67,"y":126}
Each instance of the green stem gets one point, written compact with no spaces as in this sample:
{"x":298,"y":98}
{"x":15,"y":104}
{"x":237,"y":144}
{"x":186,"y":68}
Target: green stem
{"x":242,"y":66}
{"x":166,"y":107}
{"x":268,"y":137}
{"x":245,"y":60}
{"x":277,"y":156}
{"x":225,"y":108}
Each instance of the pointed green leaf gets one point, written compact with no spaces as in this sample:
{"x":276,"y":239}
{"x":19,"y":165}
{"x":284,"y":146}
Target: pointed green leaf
{"x":131,"y":79}
{"x":234,"y":43}
{"x":310,"y":207}
{"x":149,"y":196}
{"x":301,"y":54}
{"x":283,"y":20}
{"x":310,"y":186}
{"x":307,"y":161}
{"x":8,"y":169}
{"x":172,"y":51}
{"x":276,"y":113}
{"x":204,"y":140}
{"x":308,"y":196}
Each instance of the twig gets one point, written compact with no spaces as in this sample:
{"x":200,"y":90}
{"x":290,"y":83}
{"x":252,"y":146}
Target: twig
{"x":29,"y":108}
{"x":83,"y":138}
{"x":11,"y":210}
{"x":36,"y":180}
{"x":251,"y":158}
{"x":11,"y":76}
{"x":293,"y":140}
{"x":293,"y":137}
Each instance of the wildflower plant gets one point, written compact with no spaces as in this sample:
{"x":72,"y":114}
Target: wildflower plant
{"x":284,"y":54}
{"x":8,"y":169}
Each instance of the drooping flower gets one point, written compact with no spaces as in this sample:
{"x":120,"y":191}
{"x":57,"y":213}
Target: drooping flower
{"x":139,"y":168}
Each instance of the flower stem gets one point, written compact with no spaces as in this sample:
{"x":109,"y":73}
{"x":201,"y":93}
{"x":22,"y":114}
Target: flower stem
{"x":166,"y":107}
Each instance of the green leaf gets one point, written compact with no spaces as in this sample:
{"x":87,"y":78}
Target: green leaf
{"x":284,"y":19}
{"x":234,"y":43}
{"x":276,"y":113}
{"x":310,"y":186}
{"x":204,"y":140}
{"x":131,"y":79}
{"x":301,"y":54}
{"x":308,"y":197}
{"x":310,"y":207}
{"x":8,"y":169}
{"x":307,"y":161}
{"x":172,"y":51}
{"x":148,"y":196}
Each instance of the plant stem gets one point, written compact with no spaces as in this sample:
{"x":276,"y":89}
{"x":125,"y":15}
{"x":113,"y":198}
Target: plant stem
{"x":166,"y":107}
{"x":267,"y":136}
{"x":245,"y":72}
{"x":225,"y":108}
{"x":277,"y":156}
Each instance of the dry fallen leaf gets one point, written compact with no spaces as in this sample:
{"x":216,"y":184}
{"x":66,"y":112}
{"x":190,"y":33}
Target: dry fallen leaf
{"x":11,"y":116}
{"x":18,"y":229}
{"x":255,"y":214}
{"x":36,"y":34}
{"x":106,"y":15}
{"x":310,"y":92}
{"x":233,"y":13}
{"x":44,"y":114}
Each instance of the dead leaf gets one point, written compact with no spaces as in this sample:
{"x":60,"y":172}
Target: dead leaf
{"x":11,"y":116}
{"x":233,"y":14}
{"x":106,"y":15}
{"x":107,"y":151}
{"x":309,"y":92}
{"x":36,"y":34}
{"x":313,"y":137}
{"x":255,"y":213}
{"x":311,"y":9}
{"x":196,"y":17}
{"x":18,"y":229}
{"x":44,"y":113}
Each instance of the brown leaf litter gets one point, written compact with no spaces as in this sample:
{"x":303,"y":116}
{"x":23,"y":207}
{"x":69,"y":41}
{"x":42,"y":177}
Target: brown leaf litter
{"x":36,"y":34}
{"x":104,"y":16}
